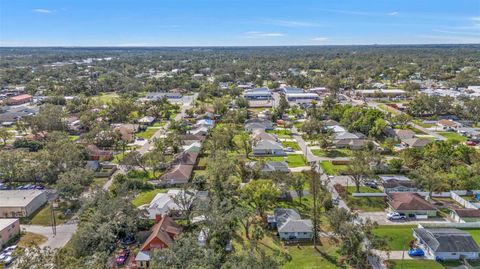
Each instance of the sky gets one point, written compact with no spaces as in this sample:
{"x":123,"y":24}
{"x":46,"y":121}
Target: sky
{"x":237,"y":22}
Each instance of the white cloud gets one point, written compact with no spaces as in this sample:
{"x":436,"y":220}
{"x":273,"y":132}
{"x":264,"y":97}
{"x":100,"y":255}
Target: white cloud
{"x":292,"y":23}
{"x":320,"y":39}
{"x":258,"y":34}
{"x":42,"y":10}
{"x":393,"y":13}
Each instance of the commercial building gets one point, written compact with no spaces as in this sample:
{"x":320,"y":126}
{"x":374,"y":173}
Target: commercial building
{"x":9,"y":228}
{"x":20,"y":203}
{"x":258,"y":94}
{"x":19,"y":100}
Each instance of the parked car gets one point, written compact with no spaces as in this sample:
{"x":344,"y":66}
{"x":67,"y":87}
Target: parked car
{"x":416,"y":252}
{"x":471,"y":143}
{"x":289,"y":149}
{"x":371,"y":184}
{"x":11,"y":248}
{"x":335,"y":201}
{"x":127,"y":240}
{"x":396,"y":216}
{"x":122,"y":257}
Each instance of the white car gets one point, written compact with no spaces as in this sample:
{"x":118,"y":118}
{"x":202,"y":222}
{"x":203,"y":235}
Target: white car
{"x":11,"y":248}
{"x":396,"y":216}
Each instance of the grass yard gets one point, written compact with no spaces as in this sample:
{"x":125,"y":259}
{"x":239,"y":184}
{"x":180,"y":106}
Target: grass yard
{"x":73,"y":137}
{"x":106,"y":98}
{"x":334,"y":153}
{"x":43,"y":216}
{"x":351,"y":189}
{"x":159,"y":124}
{"x":333,"y":169}
{"x":298,"y":124}
{"x":281,"y":133}
{"x":398,"y":235}
{"x":291,"y":144}
{"x":293,"y":160}
{"x":453,"y":136}
{"x":31,"y":239}
{"x":117,"y":158}
{"x":475,"y":234}
{"x":147,"y":133}
{"x":145,"y":197}
{"x":365,"y":204}
{"x":423,"y":124}
{"x":415,"y":264}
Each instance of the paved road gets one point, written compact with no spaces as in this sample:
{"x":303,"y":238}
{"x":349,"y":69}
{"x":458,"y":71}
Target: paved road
{"x":64,"y":233}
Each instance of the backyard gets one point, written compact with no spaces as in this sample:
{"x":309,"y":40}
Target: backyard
{"x":333,"y":153}
{"x":145,"y":197}
{"x":365,"y":204}
{"x":293,"y":160}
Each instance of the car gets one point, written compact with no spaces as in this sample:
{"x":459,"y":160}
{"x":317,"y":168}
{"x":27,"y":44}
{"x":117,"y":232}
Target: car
{"x":288,"y":149}
{"x":371,"y":184}
{"x":11,"y":248}
{"x":471,"y":143}
{"x":122,"y":257}
{"x":396,"y":216}
{"x":416,"y":252}
{"x":39,"y":187}
{"x":8,"y":260}
{"x":335,"y":201}
{"x":140,"y":139}
{"x":127,"y":240}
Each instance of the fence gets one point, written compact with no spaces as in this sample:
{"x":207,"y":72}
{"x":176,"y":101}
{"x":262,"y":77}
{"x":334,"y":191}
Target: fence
{"x":462,"y":201}
{"x":467,"y":225}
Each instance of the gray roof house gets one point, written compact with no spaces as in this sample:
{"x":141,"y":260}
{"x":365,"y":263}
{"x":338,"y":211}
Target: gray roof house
{"x":268,"y":147}
{"x":258,"y":124}
{"x":271,"y":166}
{"x":290,"y":225}
{"x":349,"y":140}
{"x":446,"y":243}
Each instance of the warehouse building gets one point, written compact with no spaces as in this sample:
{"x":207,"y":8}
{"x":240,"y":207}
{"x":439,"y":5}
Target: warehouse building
{"x":20,"y":203}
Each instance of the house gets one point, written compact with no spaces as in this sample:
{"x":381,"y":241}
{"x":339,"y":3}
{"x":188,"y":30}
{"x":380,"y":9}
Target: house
{"x":290,"y":225}
{"x":127,"y":131}
{"x":397,"y":183}
{"x":97,"y":154}
{"x":411,"y":204}
{"x":446,"y":243}
{"x":449,"y":125}
{"x":271,"y":166}
{"x":9,"y":228}
{"x":258,"y":94}
{"x":19,"y":100}
{"x":208,"y":123}
{"x":163,"y":204}
{"x":186,"y":157}
{"x":21,"y":203}
{"x":268,"y":147}
{"x":463,"y":215}
{"x":416,"y":142}
{"x":163,"y":235}
{"x":349,"y":140}
{"x":160,"y":95}
{"x":287,"y":90}
{"x":203,"y":131}
{"x":302,"y":98}
{"x":329,"y":122}
{"x":404,"y":134}
{"x":177,"y":174}
{"x":381,"y":93}
{"x":259,"y":134}
{"x":194,"y":147}
{"x":258,"y":124}
{"x":147,"y":120}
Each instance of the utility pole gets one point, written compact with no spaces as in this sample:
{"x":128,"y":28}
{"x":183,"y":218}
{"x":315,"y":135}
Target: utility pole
{"x":53,"y":220}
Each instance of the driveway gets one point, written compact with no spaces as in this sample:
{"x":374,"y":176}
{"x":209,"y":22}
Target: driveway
{"x":381,"y":219}
{"x":64,"y":233}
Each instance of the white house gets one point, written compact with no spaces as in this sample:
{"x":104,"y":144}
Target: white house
{"x":446,"y":243}
{"x":164,"y":204}
{"x":290,"y":225}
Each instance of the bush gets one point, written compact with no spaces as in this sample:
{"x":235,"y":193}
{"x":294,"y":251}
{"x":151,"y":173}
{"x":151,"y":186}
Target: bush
{"x":31,"y":145}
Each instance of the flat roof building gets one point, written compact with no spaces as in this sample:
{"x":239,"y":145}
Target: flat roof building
{"x":9,"y":228}
{"x":20,"y":203}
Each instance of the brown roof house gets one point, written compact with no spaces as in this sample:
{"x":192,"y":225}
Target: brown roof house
{"x":163,"y":235}
{"x":97,"y":154}
{"x":19,"y":100}
{"x":463,"y":215}
{"x":177,"y":174}
{"x":416,"y":142}
{"x":404,"y":134}
{"x":411,"y":204}
{"x":449,"y":125}
{"x":397,"y":183}
{"x":127,"y":131}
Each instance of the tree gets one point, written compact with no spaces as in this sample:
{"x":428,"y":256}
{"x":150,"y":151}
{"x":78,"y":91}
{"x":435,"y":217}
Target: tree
{"x":185,"y":200}
{"x":260,"y":194}
{"x":71,"y":184}
{"x":359,"y":168}
{"x":134,"y":159}
{"x":49,"y":118}
{"x":245,"y":143}
{"x":430,"y":178}
{"x":298,"y":184}
{"x":5,"y":135}
{"x":325,"y":140}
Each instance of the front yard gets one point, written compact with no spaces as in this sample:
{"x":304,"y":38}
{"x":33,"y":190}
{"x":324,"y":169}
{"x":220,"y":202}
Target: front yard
{"x":453,"y":136}
{"x":147,"y":134}
{"x":333,"y":153}
{"x":293,"y":160}
{"x":399,"y":236}
{"x":291,"y":144}
{"x":333,"y":169}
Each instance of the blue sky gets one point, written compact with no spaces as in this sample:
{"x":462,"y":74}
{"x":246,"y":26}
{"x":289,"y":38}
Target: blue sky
{"x":237,"y":22}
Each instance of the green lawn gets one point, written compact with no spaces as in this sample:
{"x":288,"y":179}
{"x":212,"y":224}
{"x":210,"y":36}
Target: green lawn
{"x":281,"y":133}
{"x":147,"y":133}
{"x":145,"y":197}
{"x":423,"y":124}
{"x":415,"y":264}
{"x":73,"y":137}
{"x":334,"y":153}
{"x":332,"y":169}
{"x":398,"y":235}
{"x":475,"y":234}
{"x":351,"y":189}
{"x":306,"y":257}
{"x":43,"y":217}
{"x":106,"y":98}
{"x":291,"y":144}
{"x":159,"y":124}
{"x":293,"y":160}
{"x":453,"y":136}
{"x":366,"y":204}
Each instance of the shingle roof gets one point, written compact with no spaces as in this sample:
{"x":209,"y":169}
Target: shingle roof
{"x":165,"y":230}
{"x":409,"y":201}
{"x":467,"y":212}
{"x":447,"y":240}
{"x":267,"y":144}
